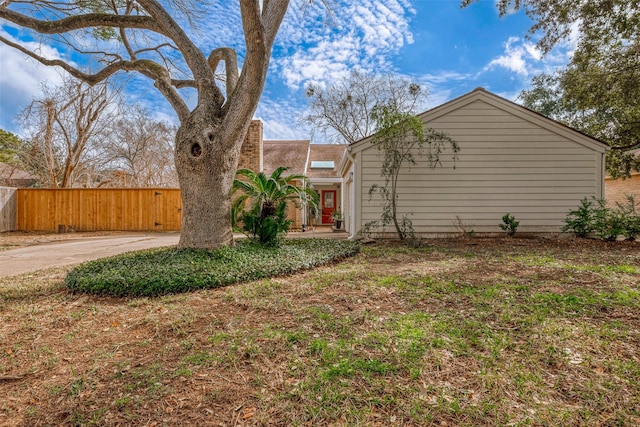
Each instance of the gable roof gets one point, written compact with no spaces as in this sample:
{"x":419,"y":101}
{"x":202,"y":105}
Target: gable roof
{"x":481,"y":94}
{"x":292,"y":154}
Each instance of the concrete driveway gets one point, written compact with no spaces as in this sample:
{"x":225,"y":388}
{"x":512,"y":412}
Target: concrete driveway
{"x":76,"y":251}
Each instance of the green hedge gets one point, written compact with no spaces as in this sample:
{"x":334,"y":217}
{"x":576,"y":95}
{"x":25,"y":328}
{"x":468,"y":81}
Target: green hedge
{"x":169,"y":270}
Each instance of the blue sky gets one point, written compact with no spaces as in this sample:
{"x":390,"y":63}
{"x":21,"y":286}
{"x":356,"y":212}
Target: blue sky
{"x":448,"y":50}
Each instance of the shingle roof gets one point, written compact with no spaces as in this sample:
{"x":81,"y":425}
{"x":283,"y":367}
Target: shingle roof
{"x":11,"y":176}
{"x":291,"y":154}
{"x":12,"y":172}
{"x":323,"y":153}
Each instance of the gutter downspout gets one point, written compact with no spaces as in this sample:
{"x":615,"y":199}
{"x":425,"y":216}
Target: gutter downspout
{"x":352,"y":194}
{"x":305,"y":216}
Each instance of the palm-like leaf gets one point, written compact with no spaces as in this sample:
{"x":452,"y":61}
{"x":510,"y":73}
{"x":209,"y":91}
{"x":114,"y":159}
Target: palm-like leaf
{"x":268,"y":194}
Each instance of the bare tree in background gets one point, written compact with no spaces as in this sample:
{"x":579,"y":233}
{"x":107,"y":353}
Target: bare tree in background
{"x":64,"y":127}
{"x":139,"y":151}
{"x":343,"y":111}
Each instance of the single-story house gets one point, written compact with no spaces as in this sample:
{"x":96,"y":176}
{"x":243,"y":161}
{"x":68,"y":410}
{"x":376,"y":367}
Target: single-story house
{"x":511,"y":160}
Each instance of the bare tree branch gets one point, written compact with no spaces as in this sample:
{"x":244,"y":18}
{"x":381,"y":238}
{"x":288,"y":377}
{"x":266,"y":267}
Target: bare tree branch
{"x":79,"y":22}
{"x":195,"y":59}
{"x":230,"y":59}
{"x":67,"y":123}
{"x":146,"y":67}
{"x":180,"y":84}
{"x":260,"y":29}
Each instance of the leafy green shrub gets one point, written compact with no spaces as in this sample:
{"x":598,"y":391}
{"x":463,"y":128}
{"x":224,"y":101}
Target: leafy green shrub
{"x":629,"y":217}
{"x":169,"y":270}
{"x":266,"y":226}
{"x":593,"y":216}
{"x":632,"y":227}
{"x":605,"y":224}
{"x":509,"y":224}
{"x":580,"y":221}
{"x":264,"y":221}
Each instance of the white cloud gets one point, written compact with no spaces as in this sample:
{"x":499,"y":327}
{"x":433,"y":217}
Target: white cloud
{"x":511,"y":8}
{"x":523,"y":57}
{"x":516,"y":54}
{"x":329,"y":60}
{"x":278,"y":129}
{"x":437,"y":96}
{"x":21,"y":78}
{"x":281,"y":120}
{"x":510,"y":95}
{"x":360,"y":34}
{"x":443,"y":77}
{"x":564,"y":50}
{"x":220,"y":26}
{"x":443,"y":86}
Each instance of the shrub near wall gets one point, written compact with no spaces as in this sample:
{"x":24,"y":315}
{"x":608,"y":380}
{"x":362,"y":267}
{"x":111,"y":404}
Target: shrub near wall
{"x":595,"y":217}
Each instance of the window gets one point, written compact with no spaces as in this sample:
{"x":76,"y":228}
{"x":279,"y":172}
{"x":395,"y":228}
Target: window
{"x":322,"y":164}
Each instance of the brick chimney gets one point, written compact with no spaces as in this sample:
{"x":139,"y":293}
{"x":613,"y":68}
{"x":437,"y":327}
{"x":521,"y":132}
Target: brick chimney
{"x":251,"y":151}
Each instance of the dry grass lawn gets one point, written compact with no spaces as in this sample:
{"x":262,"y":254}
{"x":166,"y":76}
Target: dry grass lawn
{"x":460,"y":332}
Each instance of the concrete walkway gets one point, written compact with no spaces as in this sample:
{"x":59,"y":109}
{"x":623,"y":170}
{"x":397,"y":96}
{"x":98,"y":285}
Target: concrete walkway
{"x":75,"y":251}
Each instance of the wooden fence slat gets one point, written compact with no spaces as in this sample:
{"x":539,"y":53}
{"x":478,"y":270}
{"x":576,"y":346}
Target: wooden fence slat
{"x":104,"y":209}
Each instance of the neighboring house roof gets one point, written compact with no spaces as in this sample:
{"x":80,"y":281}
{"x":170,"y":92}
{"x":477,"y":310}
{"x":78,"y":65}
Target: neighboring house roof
{"x":481,"y":94}
{"x":291,"y":154}
{"x":324,"y":160}
{"x":14,"y":177}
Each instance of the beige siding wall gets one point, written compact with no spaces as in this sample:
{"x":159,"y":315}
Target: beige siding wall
{"x":505,"y":164}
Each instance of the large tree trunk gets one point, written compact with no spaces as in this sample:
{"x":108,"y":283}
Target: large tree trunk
{"x":206,"y":171}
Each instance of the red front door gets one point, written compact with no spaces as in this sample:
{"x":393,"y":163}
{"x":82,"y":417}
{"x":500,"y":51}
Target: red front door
{"x":328,"y":205}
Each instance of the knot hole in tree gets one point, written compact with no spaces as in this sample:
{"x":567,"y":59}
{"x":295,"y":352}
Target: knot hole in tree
{"x":196,"y":149}
{"x":209,"y":135}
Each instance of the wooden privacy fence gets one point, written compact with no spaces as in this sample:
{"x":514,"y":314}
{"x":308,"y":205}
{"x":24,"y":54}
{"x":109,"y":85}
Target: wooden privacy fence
{"x":7,"y":209}
{"x":89,"y":209}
